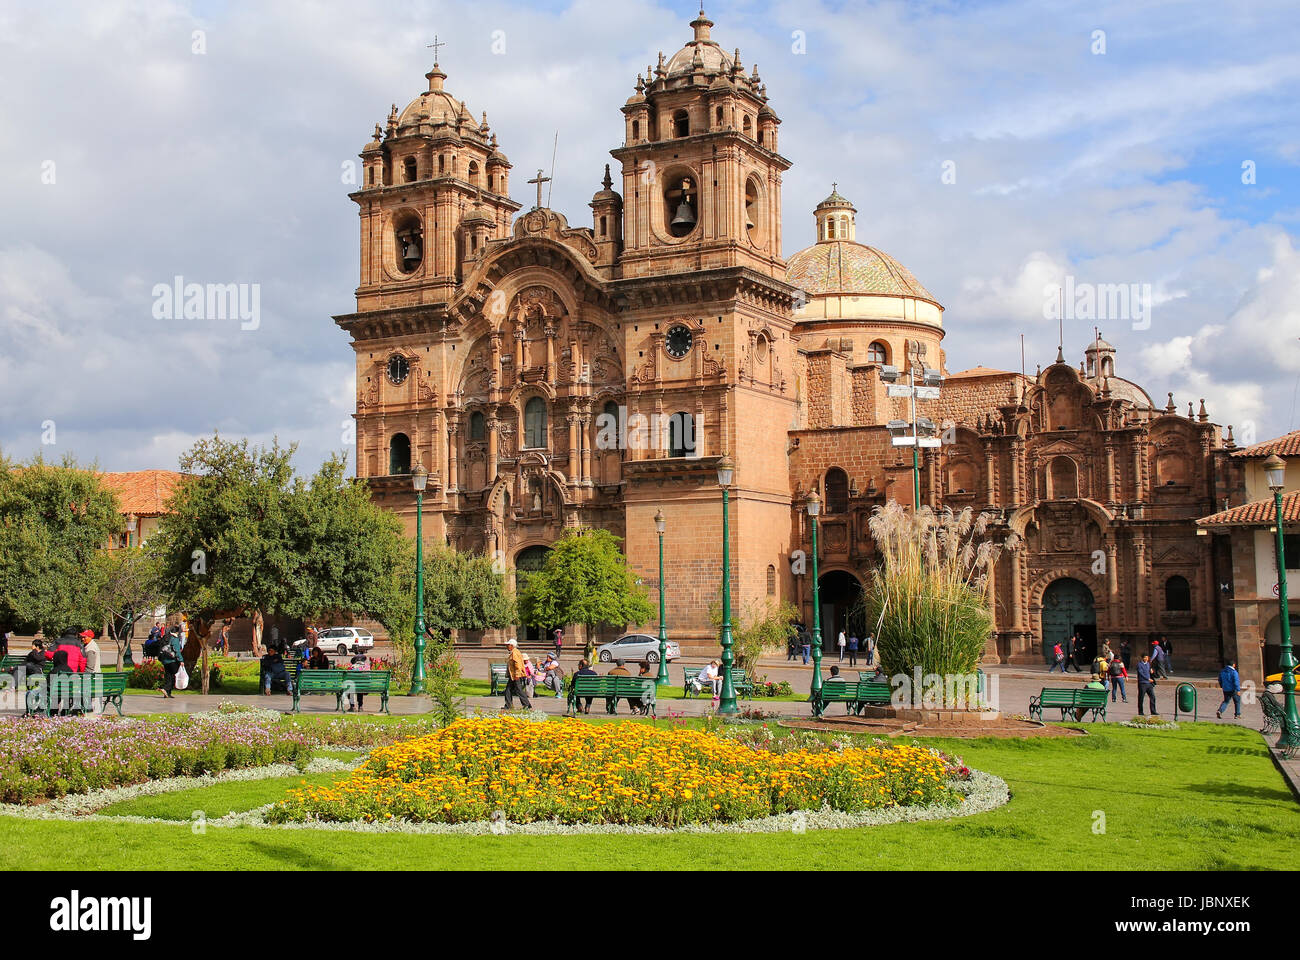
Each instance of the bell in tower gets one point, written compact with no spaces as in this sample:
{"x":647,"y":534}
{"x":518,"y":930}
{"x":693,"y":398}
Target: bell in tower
{"x":684,"y":220}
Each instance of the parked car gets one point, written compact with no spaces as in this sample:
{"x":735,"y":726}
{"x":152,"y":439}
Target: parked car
{"x":340,"y":640}
{"x":636,"y":646}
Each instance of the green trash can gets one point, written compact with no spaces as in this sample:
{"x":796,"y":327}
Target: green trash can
{"x":1185,"y":700}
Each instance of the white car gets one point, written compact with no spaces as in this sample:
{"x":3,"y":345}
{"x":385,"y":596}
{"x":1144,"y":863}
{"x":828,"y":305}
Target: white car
{"x":636,"y":647}
{"x":341,"y":640}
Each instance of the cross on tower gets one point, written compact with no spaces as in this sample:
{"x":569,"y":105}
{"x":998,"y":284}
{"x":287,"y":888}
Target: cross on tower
{"x":539,"y":180}
{"x":435,"y":45}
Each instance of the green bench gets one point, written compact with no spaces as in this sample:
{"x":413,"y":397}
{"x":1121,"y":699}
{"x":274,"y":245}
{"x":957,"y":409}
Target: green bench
{"x":744,"y":687}
{"x":77,"y":691}
{"x":498,"y":677}
{"x":612,"y":689}
{"x":854,"y":694}
{"x":340,"y":682}
{"x":1080,"y":700}
{"x":11,"y":661}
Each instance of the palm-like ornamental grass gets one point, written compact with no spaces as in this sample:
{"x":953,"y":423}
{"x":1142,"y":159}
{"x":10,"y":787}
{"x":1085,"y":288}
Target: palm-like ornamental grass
{"x":928,"y":601}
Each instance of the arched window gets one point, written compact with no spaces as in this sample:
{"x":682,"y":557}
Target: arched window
{"x":399,"y":454}
{"x":477,"y":426}
{"x":473,"y":172}
{"x":837,"y":491}
{"x":844,"y":228}
{"x":636,"y":130}
{"x":771,"y":580}
{"x":408,"y":169}
{"x":719,"y":116}
{"x":535,"y":423}
{"x":877,"y":353}
{"x":1178,"y":594}
{"x":681,"y":124}
{"x":747,"y":127}
{"x":681,"y":435}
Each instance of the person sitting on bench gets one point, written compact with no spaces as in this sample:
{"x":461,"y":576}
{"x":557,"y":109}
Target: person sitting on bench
{"x":273,"y":672}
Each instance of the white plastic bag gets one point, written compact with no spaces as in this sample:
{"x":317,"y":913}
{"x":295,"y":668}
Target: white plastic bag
{"x":182,"y":678}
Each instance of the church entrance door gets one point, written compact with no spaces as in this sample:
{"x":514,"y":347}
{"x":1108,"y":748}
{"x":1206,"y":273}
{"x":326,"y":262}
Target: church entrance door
{"x":1068,"y":607}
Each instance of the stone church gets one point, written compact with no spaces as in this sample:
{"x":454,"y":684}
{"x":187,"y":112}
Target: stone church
{"x":551,"y":376}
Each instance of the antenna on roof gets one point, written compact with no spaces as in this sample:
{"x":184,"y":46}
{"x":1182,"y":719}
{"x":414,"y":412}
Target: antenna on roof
{"x":554,"y":149}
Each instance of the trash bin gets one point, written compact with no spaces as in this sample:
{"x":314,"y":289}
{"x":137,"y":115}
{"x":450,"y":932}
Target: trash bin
{"x":1185,"y":700}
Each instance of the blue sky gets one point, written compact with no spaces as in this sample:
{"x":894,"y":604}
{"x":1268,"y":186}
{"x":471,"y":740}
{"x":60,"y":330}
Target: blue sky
{"x":1115,"y":166}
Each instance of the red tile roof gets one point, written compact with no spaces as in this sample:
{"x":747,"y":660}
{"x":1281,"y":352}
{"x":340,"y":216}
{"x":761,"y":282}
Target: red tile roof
{"x":1257,"y":513}
{"x":1287,"y":445}
{"x":143,"y":492}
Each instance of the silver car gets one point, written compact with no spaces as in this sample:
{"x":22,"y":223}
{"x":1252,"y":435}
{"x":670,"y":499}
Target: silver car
{"x":635,"y":647}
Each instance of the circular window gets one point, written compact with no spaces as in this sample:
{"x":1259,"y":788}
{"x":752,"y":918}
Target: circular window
{"x":678,"y":341}
{"x":399,"y":368}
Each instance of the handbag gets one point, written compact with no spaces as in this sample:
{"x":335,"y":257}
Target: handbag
{"x":182,"y":678}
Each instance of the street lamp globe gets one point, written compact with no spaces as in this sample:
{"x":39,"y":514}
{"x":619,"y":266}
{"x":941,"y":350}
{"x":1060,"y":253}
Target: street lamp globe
{"x":131,"y":523}
{"x":661,"y":523}
{"x":814,"y":504}
{"x":726,"y":469}
{"x":419,"y":478}
{"x":1275,"y":471}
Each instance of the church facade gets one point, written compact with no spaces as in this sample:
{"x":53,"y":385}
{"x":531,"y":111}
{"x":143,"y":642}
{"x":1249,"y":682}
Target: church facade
{"x":554,"y":377}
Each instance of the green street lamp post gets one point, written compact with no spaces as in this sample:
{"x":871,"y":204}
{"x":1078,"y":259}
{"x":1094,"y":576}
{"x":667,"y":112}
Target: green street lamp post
{"x":1275,"y":470}
{"x":132,"y":524}
{"x":419,"y":478}
{"x":727,"y":702}
{"x":662,"y":679}
{"x":814,"y":507}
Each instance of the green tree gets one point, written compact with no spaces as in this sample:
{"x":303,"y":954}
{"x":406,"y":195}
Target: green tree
{"x":128,"y":588}
{"x":54,"y":520}
{"x":243,"y":533}
{"x":585,"y":579}
{"x":758,"y":626}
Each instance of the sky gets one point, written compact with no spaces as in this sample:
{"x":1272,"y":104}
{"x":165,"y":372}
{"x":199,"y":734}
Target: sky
{"x":994,"y":148}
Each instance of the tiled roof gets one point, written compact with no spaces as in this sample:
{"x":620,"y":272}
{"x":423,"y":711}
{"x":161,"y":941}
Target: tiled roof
{"x":1287,"y":445}
{"x":844,"y":266}
{"x":980,"y":372}
{"x":1257,"y":513}
{"x":143,"y":492}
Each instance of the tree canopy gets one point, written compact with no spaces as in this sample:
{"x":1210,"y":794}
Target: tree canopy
{"x":243,"y":532}
{"x":585,"y":579}
{"x":53,"y":521}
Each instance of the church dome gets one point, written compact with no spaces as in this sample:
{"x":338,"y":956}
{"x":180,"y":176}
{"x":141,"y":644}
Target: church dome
{"x":848,"y":267}
{"x":837,"y":265}
{"x":436,"y":105}
{"x":699,"y":53}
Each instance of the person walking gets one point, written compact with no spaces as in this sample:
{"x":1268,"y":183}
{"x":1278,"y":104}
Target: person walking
{"x":1166,"y":655}
{"x":842,"y":643}
{"x":806,"y":642}
{"x":170,"y":658}
{"x":853,"y":650}
{"x":5,"y":636}
{"x":1125,"y":651}
{"x":223,"y":639}
{"x":516,"y":677}
{"x":870,"y":647}
{"x":1070,"y":642}
{"x":1158,"y":667}
{"x":1118,"y":674}
{"x":1146,"y":684}
{"x":558,"y":639}
{"x":792,"y":643}
{"x":1058,"y":658}
{"x":1230,"y":684}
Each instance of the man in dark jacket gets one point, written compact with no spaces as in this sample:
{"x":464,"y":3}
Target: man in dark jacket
{"x":1146,"y":684}
{"x":1230,"y":684}
{"x":1068,"y":648}
{"x":170,"y":658}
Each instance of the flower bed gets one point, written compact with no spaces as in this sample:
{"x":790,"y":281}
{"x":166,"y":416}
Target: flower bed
{"x":42,"y":758}
{"x":1149,"y":723}
{"x":572,"y":772}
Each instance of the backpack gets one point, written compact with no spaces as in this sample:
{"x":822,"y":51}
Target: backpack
{"x":152,"y":647}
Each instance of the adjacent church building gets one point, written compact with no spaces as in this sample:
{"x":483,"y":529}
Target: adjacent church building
{"x":552,"y":376}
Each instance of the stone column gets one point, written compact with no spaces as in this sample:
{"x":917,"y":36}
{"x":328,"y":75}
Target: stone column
{"x":1110,"y":472}
{"x":492,"y":426}
{"x":584,"y":436}
{"x":550,"y":352}
{"x":453,"y":451}
{"x":519,"y":353}
{"x":990,"y":476}
{"x":1139,"y":576}
{"x":1138,"y":487}
{"x":573,"y":467}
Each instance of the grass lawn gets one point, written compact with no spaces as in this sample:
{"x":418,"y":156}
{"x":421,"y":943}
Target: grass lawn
{"x":1200,"y":798}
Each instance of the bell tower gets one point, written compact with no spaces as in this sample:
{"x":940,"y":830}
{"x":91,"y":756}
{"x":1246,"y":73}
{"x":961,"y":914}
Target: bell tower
{"x":701,"y":172}
{"x":707,"y":322}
